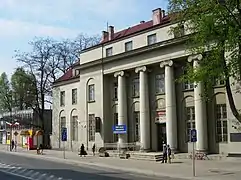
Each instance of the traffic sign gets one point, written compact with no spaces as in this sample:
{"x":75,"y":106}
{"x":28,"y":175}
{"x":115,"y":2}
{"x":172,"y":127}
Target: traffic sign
{"x":64,"y":134}
{"x":119,"y":129}
{"x":193,"y":135}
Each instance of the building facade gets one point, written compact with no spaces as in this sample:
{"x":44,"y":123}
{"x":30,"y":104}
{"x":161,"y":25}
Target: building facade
{"x":130,"y":79}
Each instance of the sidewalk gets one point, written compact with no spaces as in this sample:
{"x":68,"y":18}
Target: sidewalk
{"x":205,"y":170}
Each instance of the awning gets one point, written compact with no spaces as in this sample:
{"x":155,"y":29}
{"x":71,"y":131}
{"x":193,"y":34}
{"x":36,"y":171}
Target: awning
{"x":24,"y":133}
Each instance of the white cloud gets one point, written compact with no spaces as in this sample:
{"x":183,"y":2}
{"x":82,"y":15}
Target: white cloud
{"x":14,"y":28}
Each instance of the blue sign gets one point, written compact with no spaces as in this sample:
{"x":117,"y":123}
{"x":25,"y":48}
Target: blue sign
{"x":64,"y":134}
{"x":119,"y":129}
{"x":193,"y":135}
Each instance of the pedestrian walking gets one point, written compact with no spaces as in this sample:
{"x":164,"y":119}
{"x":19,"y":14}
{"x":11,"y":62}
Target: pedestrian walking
{"x":164,"y":158}
{"x":93,"y":149}
{"x":15,"y":145}
{"x":169,"y":153}
{"x":12,"y":145}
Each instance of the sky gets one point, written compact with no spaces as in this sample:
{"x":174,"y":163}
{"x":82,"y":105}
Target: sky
{"x":22,"y":20}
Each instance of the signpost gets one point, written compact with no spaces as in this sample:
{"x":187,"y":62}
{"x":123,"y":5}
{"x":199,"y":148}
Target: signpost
{"x":119,"y":129}
{"x":193,"y":140}
{"x":64,"y":137}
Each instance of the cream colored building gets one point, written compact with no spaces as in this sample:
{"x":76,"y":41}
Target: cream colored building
{"x":129,"y":79}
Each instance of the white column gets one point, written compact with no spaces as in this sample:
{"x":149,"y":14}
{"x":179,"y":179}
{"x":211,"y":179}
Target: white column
{"x":200,"y":109}
{"x":171,"y":116}
{"x":144,"y":109}
{"x":122,"y":105}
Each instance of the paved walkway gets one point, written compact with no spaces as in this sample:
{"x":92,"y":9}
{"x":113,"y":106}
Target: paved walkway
{"x":229,"y":169}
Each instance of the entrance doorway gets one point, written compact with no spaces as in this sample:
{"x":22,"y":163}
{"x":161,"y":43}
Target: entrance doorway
{"x":162,"y":136}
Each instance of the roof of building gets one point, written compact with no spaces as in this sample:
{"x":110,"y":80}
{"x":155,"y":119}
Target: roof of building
{"x":135,"y":29}
{"x":68,"y":74}
{"x":118,"y":35}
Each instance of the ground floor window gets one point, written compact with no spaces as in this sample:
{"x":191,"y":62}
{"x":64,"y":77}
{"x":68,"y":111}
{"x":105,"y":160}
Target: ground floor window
{"x":137,"y":125}
{"x":91,"y":127}
{"x":221,"y":123}
{"x":74,"y":128}
{"x":190,"y":121}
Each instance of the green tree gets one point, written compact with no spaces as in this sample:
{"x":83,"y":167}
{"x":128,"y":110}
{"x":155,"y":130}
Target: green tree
{"x":215,"y":32}
{"x":23,"y":88}
{"x":6,"y":101}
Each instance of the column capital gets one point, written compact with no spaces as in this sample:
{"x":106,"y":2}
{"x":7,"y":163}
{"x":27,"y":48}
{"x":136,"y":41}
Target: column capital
{"x":142,"y":68}
{"x":166,"y":63}
{"x":197,"y":57}
{"x":119,"y":73}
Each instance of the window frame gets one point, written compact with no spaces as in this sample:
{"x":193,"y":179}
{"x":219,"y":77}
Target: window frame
{"x":62,"y":98}
{"x":126,"y":46}
{"x":159,"y":90}
{"x":190,"y":122}
{"x":115,"y":91}
{"x":91,"y":124}
{"x":221,"y":119}
{"x":91,"y":92}
{"x":74,"y":128}
{"x":115,"y":122}
{"x":150,"y":38}
{"x":136,"y":119}
{"x":136,"y":87}
{"x":74,"y":96}
{"x":109,"y":51}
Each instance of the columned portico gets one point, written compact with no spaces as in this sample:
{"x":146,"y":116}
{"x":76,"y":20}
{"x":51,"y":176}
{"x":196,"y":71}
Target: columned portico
{"x":122,"y":105}
{"x":200,"y":109}
{"x":144,"y":109}
{"x":171,"y":117}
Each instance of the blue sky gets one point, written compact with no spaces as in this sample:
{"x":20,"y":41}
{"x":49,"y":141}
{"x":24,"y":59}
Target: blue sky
{"x":22,"y":20}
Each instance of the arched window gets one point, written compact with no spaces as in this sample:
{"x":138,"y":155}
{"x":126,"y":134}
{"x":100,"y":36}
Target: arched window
{"x":74,"y":129}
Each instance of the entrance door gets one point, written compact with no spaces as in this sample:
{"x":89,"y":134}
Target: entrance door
{"x":162,"y":137}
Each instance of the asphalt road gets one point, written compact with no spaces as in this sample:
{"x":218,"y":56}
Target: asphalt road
{"x":5,"y":176}
{"x":39,"y":169}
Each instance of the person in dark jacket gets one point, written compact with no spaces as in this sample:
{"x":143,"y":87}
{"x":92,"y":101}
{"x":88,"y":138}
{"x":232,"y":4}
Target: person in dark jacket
{"x":82,"y":150}
{"x":164,"y":158}
{"x":169,"y":154}
{"x":93,"y":149}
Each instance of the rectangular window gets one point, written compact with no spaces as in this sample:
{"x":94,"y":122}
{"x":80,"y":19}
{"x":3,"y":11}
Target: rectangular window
{"x":91,"y":127}
{"x":91,"y":92}
{"x":135,"y":87}
{"x":74,"y":96}
{"x":109,"y":52}
{"x":160,"y":83}
{"x":115,"y":122}
{"x":222,"y":125}
{"x":179,"y":31}
{"x":137,"y":125}
{"x":190,"y":121}
{"x":115,"y":90}
{"x":128,"y":46}
{"x":219,"y":82}
{"x":151,"y":39}
{"x":62,"y":98}
{"x":74,"y":128}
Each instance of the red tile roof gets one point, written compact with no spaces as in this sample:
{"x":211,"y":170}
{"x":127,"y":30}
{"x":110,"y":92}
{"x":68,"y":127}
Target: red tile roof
{"x":137,"y":28}
{"x":68,"y":74}
{"x":118,"y":35}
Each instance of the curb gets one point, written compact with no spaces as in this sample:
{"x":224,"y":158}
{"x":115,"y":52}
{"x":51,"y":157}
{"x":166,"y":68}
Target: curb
{"x":102,"y":165}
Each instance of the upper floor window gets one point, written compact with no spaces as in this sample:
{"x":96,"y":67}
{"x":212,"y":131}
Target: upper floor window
{"x":77,"y":72}
{"x":160,"y":83}
{"x":74,"y":96}
{"x":91,"y":92}
{"x":62,"y":98}
{"x":115,"y":90}
{"x":151,"y":39}
{"x":222,"y":124}
{"x":128,"y":46}
{"x":219,"y":82}
{"x":109,"y":52}
{"x":178,"y":31}
{"x":135,"y":87}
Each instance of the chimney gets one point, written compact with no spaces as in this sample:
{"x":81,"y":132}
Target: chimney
{"x":157,"y":15}
{"x":141,"y":22}
{"x":163,"y":13}
{"x":104,"y":35}
{"x":111,"y":32}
